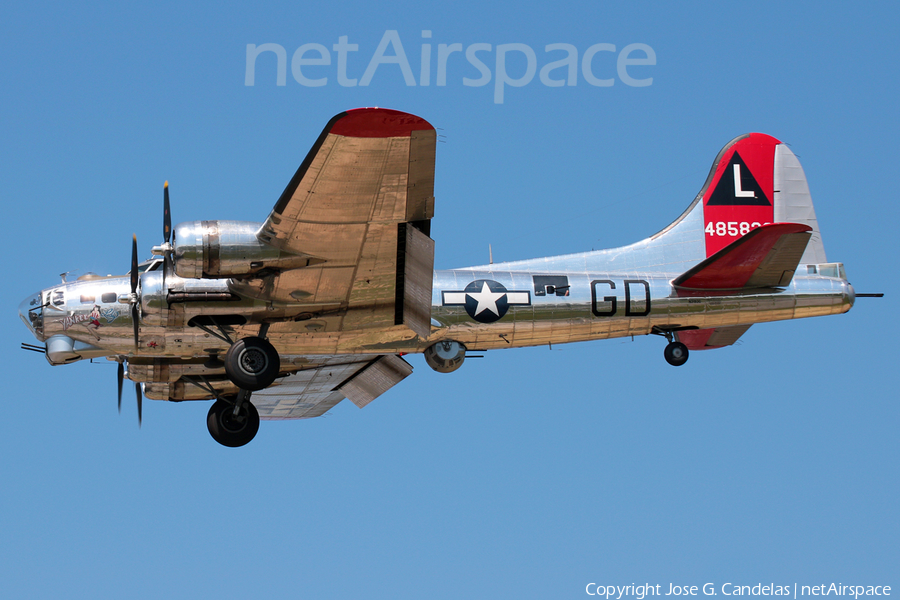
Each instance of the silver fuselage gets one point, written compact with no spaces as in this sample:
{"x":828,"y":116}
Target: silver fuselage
{"x":91,"y":318}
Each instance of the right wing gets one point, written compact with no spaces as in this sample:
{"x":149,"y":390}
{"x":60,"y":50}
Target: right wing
{"x":326,"y":380}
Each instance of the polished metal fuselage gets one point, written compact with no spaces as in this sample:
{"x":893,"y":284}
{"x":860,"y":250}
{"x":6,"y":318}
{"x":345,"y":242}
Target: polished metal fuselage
{"x":597,"y":305}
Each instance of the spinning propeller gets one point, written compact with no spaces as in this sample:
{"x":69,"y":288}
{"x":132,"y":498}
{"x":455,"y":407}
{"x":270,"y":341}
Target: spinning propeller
{"x":166,"y":252}
{"x":120,"y":376}
{"x":134,"y":283}
{"x":167,"y":248}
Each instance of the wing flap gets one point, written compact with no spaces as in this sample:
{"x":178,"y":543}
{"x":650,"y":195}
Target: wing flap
{"x":326,"y":380}
{"x":765,"y":257}
{"x":374,"y":379}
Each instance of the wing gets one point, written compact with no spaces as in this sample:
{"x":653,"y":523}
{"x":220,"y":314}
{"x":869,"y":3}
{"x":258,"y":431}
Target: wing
{"x":326,"y":380}
{"x":359,"y":207}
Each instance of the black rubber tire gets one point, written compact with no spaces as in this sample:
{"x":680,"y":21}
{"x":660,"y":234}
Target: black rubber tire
{"x":676,"y":354}
{"x":252,"y":363}
{"x":230,"y":430}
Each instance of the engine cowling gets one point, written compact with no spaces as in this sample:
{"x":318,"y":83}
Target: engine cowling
{"x":216,"y":249}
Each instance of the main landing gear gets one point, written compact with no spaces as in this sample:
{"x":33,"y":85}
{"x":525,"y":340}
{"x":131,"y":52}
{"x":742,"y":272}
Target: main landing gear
{"x":233,"y":421}
{"x":251,"y":364}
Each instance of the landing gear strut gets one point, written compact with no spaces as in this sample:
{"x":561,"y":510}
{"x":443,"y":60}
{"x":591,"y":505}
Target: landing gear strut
{"x":235,"y":423}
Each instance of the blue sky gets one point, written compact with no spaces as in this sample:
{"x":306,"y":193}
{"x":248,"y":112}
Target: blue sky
{"x":528,"y":473}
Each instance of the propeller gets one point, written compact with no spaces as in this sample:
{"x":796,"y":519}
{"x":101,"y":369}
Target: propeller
{"x":166,"y":249}
{"x":134,"y":283}
{"x":167,"y":216}
{"x":140,"y":400}
{"x":120,"y":375}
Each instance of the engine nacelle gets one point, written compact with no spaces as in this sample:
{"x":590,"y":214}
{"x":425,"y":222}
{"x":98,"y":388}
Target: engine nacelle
{"x":217,"y":249}
{"x":446,"y":356}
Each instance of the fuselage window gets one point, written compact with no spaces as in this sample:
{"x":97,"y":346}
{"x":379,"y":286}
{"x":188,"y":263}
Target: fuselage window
{"x":87,"y":299}
{"x":59,"y":298}
{"x":108,"y":297}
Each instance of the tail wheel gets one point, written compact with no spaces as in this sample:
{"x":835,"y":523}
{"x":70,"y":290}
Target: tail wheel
{"x":230,"y":429}
{"x":676,"y":354}
{"x":252,"y":363}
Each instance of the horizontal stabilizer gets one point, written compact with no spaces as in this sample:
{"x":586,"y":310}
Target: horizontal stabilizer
{"x":708,"y":339}
{"x":765,"y":257}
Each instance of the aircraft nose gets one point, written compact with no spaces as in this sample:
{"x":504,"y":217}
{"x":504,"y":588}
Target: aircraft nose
{"x":31,"y":313}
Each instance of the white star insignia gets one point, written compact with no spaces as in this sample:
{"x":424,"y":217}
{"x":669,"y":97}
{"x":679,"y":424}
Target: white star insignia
{"x":486,"y":299}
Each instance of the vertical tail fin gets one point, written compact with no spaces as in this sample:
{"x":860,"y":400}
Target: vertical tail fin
{"x":756,"y":180}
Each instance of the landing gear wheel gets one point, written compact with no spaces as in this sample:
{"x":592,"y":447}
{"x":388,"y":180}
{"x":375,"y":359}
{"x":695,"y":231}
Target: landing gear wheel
{"x":229,"y":429}
{"x":252,"y":363}
{"x":676,"y":354}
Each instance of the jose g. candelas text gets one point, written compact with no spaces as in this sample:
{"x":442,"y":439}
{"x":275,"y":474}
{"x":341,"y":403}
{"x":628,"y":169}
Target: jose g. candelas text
{"x":639,"y":592}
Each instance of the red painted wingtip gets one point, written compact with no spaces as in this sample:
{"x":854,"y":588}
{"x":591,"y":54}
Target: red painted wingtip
{"x":378,"y":122}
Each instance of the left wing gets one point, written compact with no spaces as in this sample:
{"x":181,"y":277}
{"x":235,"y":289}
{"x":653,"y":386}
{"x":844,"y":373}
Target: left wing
{"x":326,"y":380}
{"x":359,"y":207}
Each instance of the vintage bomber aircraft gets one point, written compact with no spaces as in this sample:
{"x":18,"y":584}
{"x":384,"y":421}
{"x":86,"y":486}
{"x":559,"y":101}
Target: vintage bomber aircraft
{"x":284,"y":319}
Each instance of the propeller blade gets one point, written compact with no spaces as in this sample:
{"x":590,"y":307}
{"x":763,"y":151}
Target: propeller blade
{"x":167,"y":216}
{"x":134,"y":284}
{"x":167,"y":231}
{"x":120,"y":374}
{"x":140,"y":401}
{"x":134,"y":264}
{"x":134,"y":320}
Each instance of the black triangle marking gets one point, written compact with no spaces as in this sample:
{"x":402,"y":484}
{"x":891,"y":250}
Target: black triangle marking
{"x":725,"y":192}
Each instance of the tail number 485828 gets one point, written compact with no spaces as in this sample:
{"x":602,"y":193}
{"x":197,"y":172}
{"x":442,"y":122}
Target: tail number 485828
{"x":730,"y":228}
